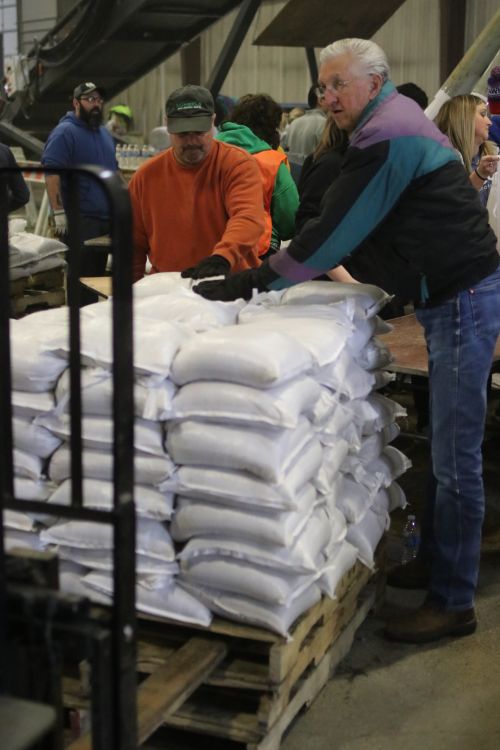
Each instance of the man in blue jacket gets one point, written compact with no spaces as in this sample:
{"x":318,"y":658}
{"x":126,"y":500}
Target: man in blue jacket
{"x":80,"y":138}
{"x":402,"y":186}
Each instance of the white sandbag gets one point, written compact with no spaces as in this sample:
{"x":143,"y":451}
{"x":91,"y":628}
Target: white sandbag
{"x":337,"y":426}
{"x":336,"y":567}
{"x":243,"y":609}
{"x":33,"y":438}
{"x":193,"y":518}
{"x":163,"y":598}
{"x":152,"y":538}
{"x":71,"y":582}
{"x":240,"y":488}
{"x":240,"y":404}
{"x":155,"y":344}
{"x":98,"y":464}
{"x":265,"y":307}
{"x":29,"y":405}
{"x":372,"y":446}
{"x":32,"y":489}
{"x":363,"y":330}
{"x":267,"y":453}
{"x":13,"y":538}
{"x":98,"y":494}
{"x":346,"y":377}
{"x":375,"y":355}
{"x":390,"y":498}
{"x":27,"y":465}
{"x":97,"y":432}
{"x":369,"y":299}
{"x":386,"y":411}
{"x":33,"y":246}
{"x":383,"y":378}
{"x":160,"y":283}
{"x":324,"y":339}
{"x":102,"y":559}
{"x":366,"y":534}
{"x":323,"y":408}
{"x":390,"y":465}
{"x":352,"y":499}
{"x":152,"y":401}
{"x":249,"y":355}
{"x":13,"y":519}
{"x":303,"y":556}
{"x":333,"y":458}
{"x":184,"y":306}
{"x":245,"y":579}
{"x":34,"y":367}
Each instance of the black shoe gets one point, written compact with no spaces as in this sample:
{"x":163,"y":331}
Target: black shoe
{"x":430,"y":623}
{"x":414,"y":575}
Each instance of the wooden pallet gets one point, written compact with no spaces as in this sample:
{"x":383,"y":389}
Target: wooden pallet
{"x":44,"y":280}
{"x":37,"y":292}
{"x":263,"y":682}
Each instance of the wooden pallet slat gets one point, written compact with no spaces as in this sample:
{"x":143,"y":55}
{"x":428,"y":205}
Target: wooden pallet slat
{"x":169,"y":686}
{"x":253,"y":693}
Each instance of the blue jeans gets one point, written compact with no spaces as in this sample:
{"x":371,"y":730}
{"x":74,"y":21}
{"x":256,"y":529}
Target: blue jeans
{"x":461,"y":335}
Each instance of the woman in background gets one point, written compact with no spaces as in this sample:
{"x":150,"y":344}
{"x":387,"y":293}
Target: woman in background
{"x":464,"y":119}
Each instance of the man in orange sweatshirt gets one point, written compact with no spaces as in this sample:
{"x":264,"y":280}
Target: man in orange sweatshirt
{"x":198,"y":206}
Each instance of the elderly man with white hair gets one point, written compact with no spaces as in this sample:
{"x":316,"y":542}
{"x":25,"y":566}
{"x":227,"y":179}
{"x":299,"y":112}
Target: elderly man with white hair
{"x":403,"y":187}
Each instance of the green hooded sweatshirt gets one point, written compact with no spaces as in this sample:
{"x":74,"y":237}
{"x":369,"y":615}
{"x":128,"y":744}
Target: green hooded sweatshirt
{"x":285,"y":198}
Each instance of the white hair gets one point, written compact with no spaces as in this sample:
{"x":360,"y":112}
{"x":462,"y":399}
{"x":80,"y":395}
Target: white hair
{"x":368,"y":53}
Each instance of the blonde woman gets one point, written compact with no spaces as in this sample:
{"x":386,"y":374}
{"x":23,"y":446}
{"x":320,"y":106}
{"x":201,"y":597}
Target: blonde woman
{"x":464,"y":119}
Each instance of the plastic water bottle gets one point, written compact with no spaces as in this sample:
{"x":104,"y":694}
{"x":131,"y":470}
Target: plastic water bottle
{"x":410,"y":539}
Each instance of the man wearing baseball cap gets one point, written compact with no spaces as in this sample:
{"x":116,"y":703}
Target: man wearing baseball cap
{"x":198,"y":206}
{"x":80,"y":138}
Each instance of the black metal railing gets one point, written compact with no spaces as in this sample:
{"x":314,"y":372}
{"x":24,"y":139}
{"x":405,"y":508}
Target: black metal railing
{"x":114,"y":716}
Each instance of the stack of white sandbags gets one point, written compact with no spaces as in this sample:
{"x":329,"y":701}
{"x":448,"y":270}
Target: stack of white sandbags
{"x":162,"y":323}
{"x":30,"y":253}
{"x":256,"y":525}
{"x":360,"y":467}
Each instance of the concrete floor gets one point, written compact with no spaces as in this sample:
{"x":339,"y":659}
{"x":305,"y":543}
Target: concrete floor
{"x":442,"y":696}
{"x":388,"y":696}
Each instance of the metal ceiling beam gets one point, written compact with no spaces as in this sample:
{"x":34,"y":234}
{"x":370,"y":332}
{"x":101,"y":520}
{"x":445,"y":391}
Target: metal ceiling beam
{"x":232,"y":45}
{"x":312,"y":64}
{"x":451,"y":35}
{"x":20,"y":138}
{"x":316,"y":23}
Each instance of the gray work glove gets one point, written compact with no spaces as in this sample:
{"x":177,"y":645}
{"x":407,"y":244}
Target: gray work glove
{"x":60,"y":223}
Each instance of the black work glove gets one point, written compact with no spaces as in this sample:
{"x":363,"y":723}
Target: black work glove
{"x":214,"y":265}
{"x":238,"y":285}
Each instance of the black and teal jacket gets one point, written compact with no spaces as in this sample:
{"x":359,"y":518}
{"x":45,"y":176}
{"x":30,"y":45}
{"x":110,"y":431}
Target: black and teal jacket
{"x":402,"y":188}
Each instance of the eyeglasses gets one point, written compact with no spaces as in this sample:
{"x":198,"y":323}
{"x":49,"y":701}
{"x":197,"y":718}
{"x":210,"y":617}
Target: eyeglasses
{"x":334,"y":87}
{"x":93,"y":99}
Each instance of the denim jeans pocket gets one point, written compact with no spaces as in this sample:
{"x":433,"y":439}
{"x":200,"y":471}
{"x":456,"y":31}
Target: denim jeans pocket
{"x":484,"y":300}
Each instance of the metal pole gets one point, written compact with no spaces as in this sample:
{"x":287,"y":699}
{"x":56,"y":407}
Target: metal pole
{"x":471,"y":67}
{"x":232,"y":44}
{"x":312,"y":64}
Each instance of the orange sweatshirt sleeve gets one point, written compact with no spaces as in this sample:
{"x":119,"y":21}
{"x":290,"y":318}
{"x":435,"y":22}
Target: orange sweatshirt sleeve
{"x":245,"y":207}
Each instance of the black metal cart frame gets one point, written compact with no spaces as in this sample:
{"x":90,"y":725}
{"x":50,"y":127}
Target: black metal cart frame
{"x":117,"y":714}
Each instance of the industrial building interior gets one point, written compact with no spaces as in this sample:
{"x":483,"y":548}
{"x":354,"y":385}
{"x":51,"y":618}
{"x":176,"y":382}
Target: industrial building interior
{"x":68,"y":669}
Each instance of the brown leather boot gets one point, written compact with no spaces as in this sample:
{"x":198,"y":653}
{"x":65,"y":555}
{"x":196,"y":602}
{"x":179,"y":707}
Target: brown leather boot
{"x":414,"y":575}
{"x":430,"y":623}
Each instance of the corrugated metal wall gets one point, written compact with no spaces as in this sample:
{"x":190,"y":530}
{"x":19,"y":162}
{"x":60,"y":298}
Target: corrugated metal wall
{"x":410,"y":38}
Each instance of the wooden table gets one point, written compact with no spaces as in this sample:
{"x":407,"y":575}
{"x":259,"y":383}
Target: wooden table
{"x":103,"y":285}
{"x":407,"y":344}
